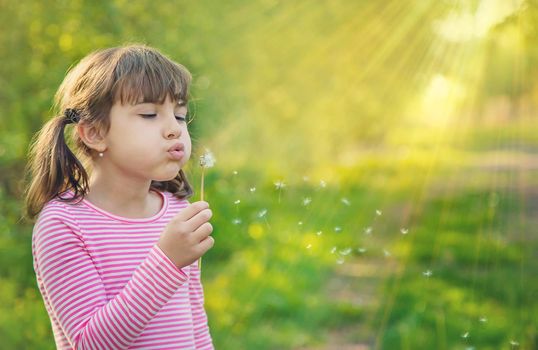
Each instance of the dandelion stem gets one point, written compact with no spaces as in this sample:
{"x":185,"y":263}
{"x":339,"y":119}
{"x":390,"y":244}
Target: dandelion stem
{"x":201,"y":198}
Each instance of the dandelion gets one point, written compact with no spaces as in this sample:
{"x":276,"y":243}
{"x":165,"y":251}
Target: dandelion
{"x":207,"y":160}
{"x":346,"y":201}
{"x":378,"y":212}
{"x":279,"y":186}
{"x":306,"y":201}
{"x":368,"y":230}
{"x":427,"y":273}
{"x":237,"y":201}
{"x":236,"y":221}
{"x":337,"y":229}
{"x":252,"y":189}
{"x":404,"y":230}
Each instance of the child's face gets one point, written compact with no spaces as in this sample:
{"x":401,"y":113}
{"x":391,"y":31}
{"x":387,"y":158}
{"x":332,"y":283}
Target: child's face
{"x":141,"y":135}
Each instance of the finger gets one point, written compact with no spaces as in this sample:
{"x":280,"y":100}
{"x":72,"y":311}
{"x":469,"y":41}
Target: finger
{"x":206,"y":244}
{"x":203,"y":232}
{"x":198,"y":220}
{"x":191,"y":210}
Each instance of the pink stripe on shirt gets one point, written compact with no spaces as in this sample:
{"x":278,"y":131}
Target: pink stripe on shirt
{"x":107,"y":285}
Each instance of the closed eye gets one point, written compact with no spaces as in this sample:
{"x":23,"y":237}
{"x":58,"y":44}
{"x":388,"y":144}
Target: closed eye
{"x":181,"y":118}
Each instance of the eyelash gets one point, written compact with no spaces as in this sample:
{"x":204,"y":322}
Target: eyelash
{"x":183,"y":119}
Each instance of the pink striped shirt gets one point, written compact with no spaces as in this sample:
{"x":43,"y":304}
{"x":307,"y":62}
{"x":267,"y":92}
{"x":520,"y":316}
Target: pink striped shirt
{"x":107,"y":285}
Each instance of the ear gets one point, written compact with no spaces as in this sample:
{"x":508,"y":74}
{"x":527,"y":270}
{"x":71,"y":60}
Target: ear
{"x":92,"y":137}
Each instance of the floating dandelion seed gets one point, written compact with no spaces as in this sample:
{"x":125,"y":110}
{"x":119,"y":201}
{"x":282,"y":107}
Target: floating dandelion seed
{"x":306,"y":178}
{"x":465,"y":335}
{"x":300,"y":223}
{"x":235,"y":172}
{"x":337,"y":229}
{"x":306,"y":201}
{"x":470,"y":348}
{"x":340,"y":261}
{"x":427,"y":273}
{"x":378,"y":212}
{"x":252,"y":189}
{"x":319,"y":233}
{"x":236,"y":221}
{"x":262,"y":213}
{"x":309,"y":246}
{"x":404,"y":230}
{"x":279,"y":185}
{"x":483,"y":319}
{"x":345,"y":251}
{"x":368,"y":230}
{"x":333,"y":250}
{"x":386,"y":253}
{"x":346,"y":201}
{"x":207,"y":160}
{"x":237,"y":201}
{"x":514,"y":343}
{"x":361,"y":250}
{"x":322,"y":184}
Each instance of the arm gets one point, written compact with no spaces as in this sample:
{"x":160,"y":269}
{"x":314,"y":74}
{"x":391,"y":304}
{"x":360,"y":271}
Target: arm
{"x":202,"y":338}
{"x":76,"y":294}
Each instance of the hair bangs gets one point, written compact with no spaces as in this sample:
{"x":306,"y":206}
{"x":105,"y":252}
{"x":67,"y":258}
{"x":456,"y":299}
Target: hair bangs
{"x":143,"y":77}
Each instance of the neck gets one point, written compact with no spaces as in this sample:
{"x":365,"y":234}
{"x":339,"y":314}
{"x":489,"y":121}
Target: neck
{"x":129,"y":198}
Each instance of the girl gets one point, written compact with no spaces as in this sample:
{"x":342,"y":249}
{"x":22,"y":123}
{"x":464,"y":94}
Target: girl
{"x":115,"y":248}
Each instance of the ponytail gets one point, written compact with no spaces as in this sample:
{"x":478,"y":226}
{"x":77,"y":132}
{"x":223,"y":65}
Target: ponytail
{"x":54,"y":169}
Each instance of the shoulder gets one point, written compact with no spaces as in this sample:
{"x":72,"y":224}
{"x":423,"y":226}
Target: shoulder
{"x":55,"y":216}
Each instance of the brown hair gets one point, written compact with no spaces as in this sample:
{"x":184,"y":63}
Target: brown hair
{"x":127,"y":73}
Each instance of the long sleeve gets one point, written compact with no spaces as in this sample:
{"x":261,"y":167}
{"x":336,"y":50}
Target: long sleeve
{"x":202,"y":338}
{"x":75,"y":295}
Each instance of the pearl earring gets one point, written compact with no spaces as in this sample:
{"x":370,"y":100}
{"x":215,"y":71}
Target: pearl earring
{"x":101,"y":154}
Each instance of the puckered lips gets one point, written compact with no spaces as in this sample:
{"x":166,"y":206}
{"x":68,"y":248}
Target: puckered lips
{"x":177,"y":151}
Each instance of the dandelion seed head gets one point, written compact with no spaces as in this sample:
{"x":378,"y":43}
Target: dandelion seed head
{"x":207,"y":160}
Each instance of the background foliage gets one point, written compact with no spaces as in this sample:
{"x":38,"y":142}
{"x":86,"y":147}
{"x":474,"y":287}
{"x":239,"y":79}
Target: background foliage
{"x":404,"y":132}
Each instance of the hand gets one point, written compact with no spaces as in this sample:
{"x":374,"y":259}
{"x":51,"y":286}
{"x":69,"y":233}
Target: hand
{"x":187,"y":236}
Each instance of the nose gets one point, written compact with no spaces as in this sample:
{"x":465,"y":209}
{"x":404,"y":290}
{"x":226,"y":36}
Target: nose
{"x":173,"y":129}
